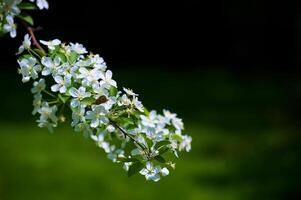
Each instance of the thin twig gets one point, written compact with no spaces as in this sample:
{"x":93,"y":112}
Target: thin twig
{"x":128,"y":135}
{"x":33,"y":37}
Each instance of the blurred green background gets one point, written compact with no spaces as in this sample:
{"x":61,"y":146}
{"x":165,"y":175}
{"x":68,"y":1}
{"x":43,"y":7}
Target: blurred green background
{"x":245,"y":129}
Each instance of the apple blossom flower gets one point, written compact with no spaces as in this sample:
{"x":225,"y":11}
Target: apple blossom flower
{"x":10,"y":26}
{"x":29,"y":69}
{"x":26,"y":44}
{"x":51,"y":44}
{"x":150,"y":172}
{"x":97,"y":116}
{"x":50,"y":66}
{"x":107,"y":80}
{"x":78,"y":94}
{"x":62,"y":83}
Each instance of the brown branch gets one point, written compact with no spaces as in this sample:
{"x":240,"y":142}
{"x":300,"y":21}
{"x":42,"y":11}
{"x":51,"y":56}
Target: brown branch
{"x":33,"y":37}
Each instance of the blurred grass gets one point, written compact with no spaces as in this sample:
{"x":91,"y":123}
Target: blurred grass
{"x":246,"y":142}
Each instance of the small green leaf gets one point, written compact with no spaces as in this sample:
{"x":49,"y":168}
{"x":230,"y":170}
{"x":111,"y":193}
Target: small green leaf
{"x":146,"y":111}
{"x":163,"y":150}
{"x":161,"y":143}
{"x":113,"y":91}
{"x":27,"y":6}
{"x":160,"y":159}
{"x":60,"y":55}
{"x":64,"y":99}
{"x":122,"y":159}
{"x":134,"y":168}
{"x":88,"y":100}
{"x":73,"y":57}
{"x":39,"y":51}
{"x":27,"y":18}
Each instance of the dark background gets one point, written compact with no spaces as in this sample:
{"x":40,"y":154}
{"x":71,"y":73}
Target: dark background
{"x":191,"y":34}
{"x":230,"y":69}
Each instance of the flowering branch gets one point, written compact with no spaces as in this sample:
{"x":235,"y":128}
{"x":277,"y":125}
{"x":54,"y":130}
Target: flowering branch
{"x":99,"y":109}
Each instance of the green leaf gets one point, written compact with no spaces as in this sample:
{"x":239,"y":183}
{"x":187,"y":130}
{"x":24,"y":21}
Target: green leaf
{"x":161,"y":143}
{"x":113,"y":91}
{"x":73,"y":57}
{"x":60,"y":55}
{"x":39,"y":51}
{"x":122,"y":159}
{"x":146,"y":111}
{"x":88,"y":100}
{"x":160,"y":159}
{"x":27,"y":6}
{"x":163,"y":150}
{"x":134,"y":168}
{"x":26,"y":18}
{"x":64,"y":99}
{"x":148,"y":141}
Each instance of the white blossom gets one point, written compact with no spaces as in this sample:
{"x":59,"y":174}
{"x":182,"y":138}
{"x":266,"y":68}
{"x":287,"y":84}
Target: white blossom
{"x":78,"y":48}
{"x":10,"y":26}
{"x":78,"y":95}
{"x":107,"y":80}
{"x":62,"y":83}
{"x":97,"y":116}
{"x":50,"y":66}
{"x":150,"y":172}
{"x":25,"y":44}
{"x":51,"y":44}
{"x":29,"y":69}
{"x":89,"y":76}
{"x":101,"y":142}
{"x":38,"y":86}
{"x":41,"y":4}
{"x":130,"y":92}
{"x":186,"y":143}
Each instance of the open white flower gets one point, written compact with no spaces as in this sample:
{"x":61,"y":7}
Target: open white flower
{"x":101,"y":142}
{"x":41,"y":4}
{"x":38,"y":86}
{"x":25,"y":44}
{"x":61,"y":84}
{"x":138,"y":104}
{"x":51,"y":66}
{"x":178,"y":124}
{"x":149,"y":121}
{"x":51,"y":44}
{"x":130,"y":92}
{"x":29,"y":69}
{"x":10,"y":26}
{"x":124,"y":101}
{"x":186,"y":143}
{"x":98,"y":62}
{"x":97,"y":116}
{"x":48,"y":116}
{"x":89,"y":76}
{"x":78,"y":48}
{"x":78,"y":94}
{"x":107,"y":80}
{"x":150,"y":172}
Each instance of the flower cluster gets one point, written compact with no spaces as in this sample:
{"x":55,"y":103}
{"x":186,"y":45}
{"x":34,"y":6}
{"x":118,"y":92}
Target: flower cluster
{"x":67,"y":77}
{"x":9,"y":9}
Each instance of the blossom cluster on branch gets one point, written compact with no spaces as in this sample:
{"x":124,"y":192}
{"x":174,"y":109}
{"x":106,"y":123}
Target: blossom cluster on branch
{"x":69,"y":81}
{"x":11,"y":9}
{"x":67,"y":77}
